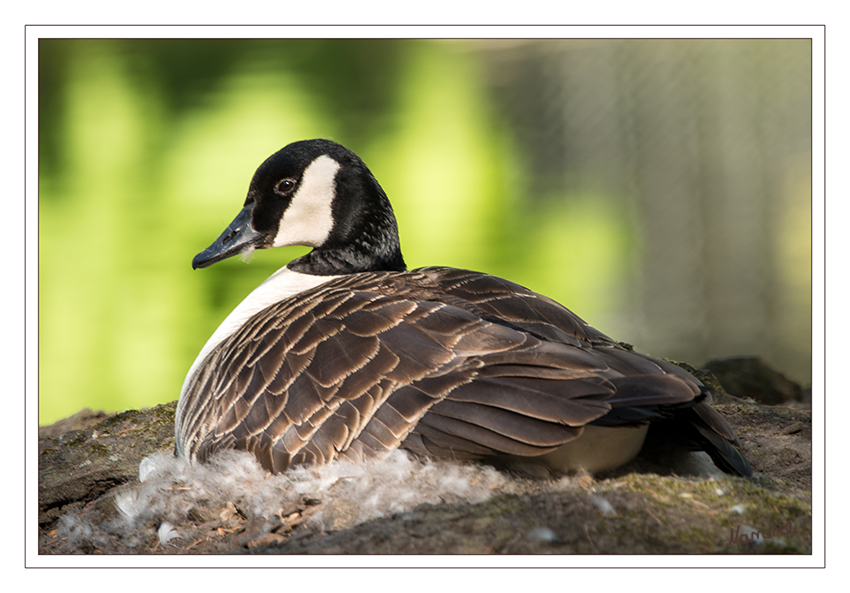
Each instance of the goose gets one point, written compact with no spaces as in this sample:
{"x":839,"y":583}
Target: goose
{"x":345,"y":354}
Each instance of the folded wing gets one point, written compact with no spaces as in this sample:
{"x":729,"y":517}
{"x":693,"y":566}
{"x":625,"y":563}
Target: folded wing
{"x":442,"y":362}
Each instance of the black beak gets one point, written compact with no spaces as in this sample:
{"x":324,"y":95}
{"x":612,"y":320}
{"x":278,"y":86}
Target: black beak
{"x":237,"y":238}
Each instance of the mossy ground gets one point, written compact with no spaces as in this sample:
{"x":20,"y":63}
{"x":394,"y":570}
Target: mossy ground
{"x":635,"y":511}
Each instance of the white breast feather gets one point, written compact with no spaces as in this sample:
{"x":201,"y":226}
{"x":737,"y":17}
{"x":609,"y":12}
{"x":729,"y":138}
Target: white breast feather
{"x":281,"y":285}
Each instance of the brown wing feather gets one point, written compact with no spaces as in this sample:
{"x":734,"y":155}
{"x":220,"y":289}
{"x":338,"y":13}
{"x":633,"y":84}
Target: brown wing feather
{"x":440,"y":361}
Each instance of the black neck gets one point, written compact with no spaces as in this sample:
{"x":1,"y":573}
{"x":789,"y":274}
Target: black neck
{"x":347,"y":260}
{"x":364,"y":239}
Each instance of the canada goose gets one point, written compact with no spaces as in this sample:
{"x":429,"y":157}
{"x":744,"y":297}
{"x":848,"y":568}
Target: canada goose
{"x":344,"y":353}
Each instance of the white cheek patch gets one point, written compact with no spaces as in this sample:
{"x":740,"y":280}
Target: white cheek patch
{"x":308,"y":220}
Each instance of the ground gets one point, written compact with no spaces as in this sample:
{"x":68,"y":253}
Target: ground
{"x":89,"y":469}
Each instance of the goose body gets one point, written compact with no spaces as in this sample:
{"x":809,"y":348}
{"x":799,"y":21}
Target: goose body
{"x":346,"y":354}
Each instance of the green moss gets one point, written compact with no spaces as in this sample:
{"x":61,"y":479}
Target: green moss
{"x":502,"y":504}
{"x":47,"y":452}
{"x":98,"y":450}
{"x":707,"y":519}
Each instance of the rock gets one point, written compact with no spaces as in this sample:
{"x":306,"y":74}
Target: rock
{"x":750,"y":377}
{"x":642,"y":508}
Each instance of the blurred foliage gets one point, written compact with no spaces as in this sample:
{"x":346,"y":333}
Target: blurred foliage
{"x":659,"y":188}
{"x":146,"y":151}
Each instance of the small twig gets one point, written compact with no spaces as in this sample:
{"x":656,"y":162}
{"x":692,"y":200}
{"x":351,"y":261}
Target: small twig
{"x":653,"y":516}
{"x":195,"y":543}
{"x":588,"y":536}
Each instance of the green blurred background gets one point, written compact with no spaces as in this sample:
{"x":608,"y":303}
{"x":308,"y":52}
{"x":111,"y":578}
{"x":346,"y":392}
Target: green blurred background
{"x":661,"y":189}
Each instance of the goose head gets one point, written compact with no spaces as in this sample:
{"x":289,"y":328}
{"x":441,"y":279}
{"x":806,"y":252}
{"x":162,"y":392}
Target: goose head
{"x":319,"y":194}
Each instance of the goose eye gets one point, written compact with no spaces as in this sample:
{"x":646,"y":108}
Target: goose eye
{"x":285,"y":187}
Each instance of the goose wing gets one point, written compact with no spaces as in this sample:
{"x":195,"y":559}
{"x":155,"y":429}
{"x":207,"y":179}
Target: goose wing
{"x":646,"y":388}
{"x":359,"y":367}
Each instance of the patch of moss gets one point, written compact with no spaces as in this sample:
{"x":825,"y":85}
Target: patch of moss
{"x":698,"y":516}
{"x":501,"y":505}
{"x":96,"y":449}
{"x":47,"y":452}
